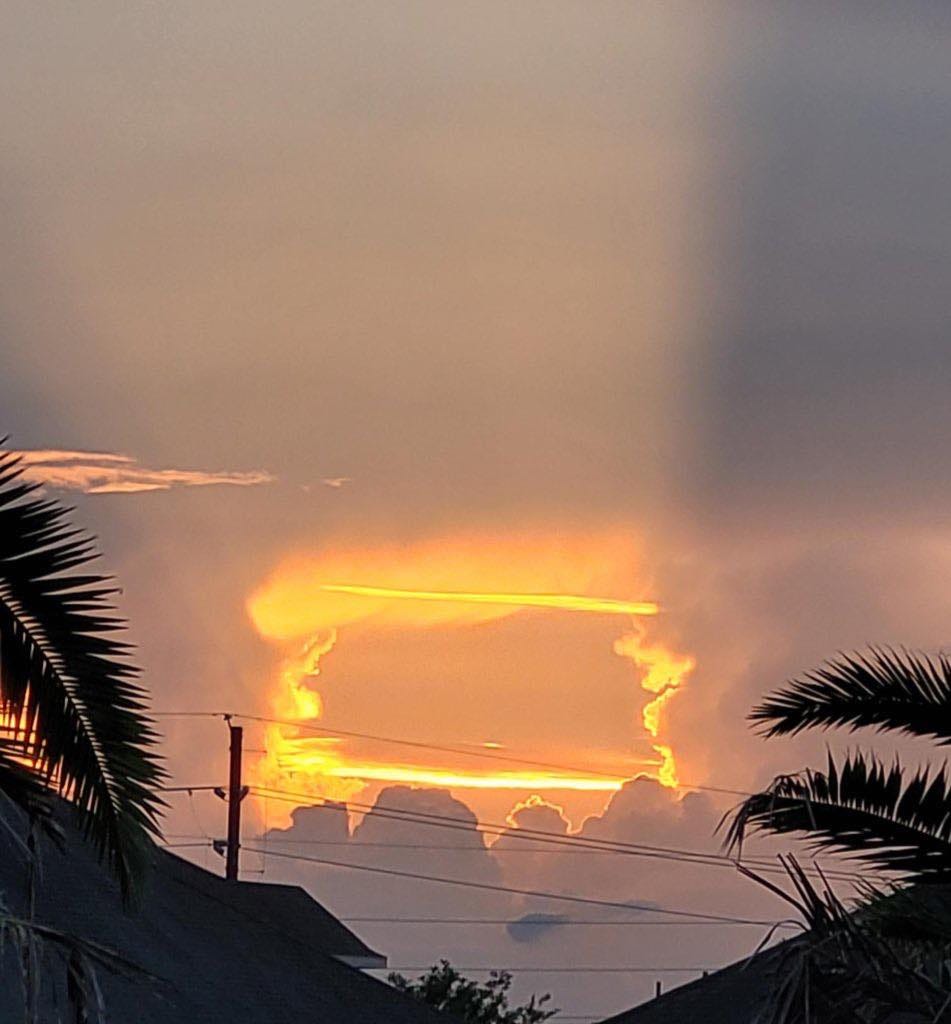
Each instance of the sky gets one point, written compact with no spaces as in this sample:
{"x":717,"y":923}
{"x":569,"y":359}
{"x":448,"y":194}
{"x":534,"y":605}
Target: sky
{"x":643,"y":302}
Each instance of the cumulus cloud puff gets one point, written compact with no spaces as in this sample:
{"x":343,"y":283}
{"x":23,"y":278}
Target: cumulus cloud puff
{"x":430,"y":832}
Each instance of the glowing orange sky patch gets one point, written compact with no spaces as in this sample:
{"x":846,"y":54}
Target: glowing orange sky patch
{"x":446,"y":583}
{"x":420,"y":776}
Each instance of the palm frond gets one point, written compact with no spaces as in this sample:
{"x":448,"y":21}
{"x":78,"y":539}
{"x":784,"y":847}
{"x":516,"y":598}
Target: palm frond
{"x":863,"y":809}
{"x":82,"y":958}
{"x":908,"y":914}
{"x":69,"y":704}
{"x":885,"y":689}
{"x":877,"y":962}
{"x":22,"y":786}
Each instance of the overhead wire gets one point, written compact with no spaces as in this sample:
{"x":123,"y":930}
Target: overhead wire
{"x":511,"y":890}
{"x":522,"y":923}
{"x":566,"y":844}
{"x":685,"y":918}
{"x":494,"y":851}
{"x":586,"y":844}
{"x":187,"y":789}
{"x":559,"y":969}
{"x":616,"y":848}
{"x":577,"y":843}
{"x":451,"y":849}
{"x":466,"y":752}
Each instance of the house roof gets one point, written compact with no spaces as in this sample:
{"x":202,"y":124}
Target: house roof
{"x":227,"y":952}
{"x":734,"y":995}
{"x":737,"y":994}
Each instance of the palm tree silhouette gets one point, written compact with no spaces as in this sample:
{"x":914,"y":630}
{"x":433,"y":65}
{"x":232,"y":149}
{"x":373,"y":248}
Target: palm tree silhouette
{"x":72,"y":715}
{"x":861,"y":806}
{"x":888,"y":953}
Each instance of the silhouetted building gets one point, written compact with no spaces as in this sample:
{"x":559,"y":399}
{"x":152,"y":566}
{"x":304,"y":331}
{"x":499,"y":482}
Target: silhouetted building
{"x":224,"y":952}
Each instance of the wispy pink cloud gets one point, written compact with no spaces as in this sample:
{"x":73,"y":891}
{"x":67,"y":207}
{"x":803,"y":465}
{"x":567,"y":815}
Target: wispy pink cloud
{"x":113,"y":473}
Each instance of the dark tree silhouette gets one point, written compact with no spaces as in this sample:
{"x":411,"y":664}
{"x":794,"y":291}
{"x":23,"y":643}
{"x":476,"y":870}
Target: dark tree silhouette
{"x":444,"y":988}
{"x":72,"y":717}
{"x":861,"y":807}
{"x":885,"y":956}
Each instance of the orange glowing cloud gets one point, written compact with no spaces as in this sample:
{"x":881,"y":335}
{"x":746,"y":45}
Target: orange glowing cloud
{"x":451,"y":582}
{"x":533,"y":803}
{"x":112,"y":473}
{"x":662,"y":673}
{"x":354,"y":586}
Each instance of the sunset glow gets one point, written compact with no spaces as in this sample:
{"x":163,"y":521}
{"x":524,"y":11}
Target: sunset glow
{"x":465,"y":582}
{"x":664,"y":672}
{"x":503,"y":428}
{"x":565,"y":602}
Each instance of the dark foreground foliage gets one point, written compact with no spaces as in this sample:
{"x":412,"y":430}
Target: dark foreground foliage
{"x":444,"y":988}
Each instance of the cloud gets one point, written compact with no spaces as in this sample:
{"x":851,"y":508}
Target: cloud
{"x":424,"y":832}
{"x":517,"y":929}
{"x":831,"y":375}
{"x":538,"y":813}
{"x":531,"y":927}
{"x":112,"y":473}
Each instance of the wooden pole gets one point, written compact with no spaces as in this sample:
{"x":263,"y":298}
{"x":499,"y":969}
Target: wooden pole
{"x":236,"y":794}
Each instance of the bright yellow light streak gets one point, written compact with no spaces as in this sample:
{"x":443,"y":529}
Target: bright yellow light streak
{"x":435,"y":777}
{"x":568,"y":602}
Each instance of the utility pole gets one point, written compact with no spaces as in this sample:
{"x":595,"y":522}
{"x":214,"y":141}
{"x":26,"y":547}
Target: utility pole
{"x":236,"y":793}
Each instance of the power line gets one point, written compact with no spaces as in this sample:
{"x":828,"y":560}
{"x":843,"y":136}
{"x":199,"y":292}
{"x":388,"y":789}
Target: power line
{"x":485,"y":754}
{"x":760,"y":863}
{"x":461,"y":825}
{"x":575,"y":843}
{"x":358,"y":844}
{"x":703,"y":919}
{"x":390,"y":739}
{"x":187,"y":788}
{"x":521,"y":922}
{"x":489,"y":828}
{"x":714,"y":860}
{"x":488,"y":887}
{"x":616,"y":848}
{"x":561,"y":970}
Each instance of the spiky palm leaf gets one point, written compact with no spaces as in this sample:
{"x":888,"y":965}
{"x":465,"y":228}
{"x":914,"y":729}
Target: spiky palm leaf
{"x":863,"y":809}
{"x":22,"y":786}
{"x":82,"y":958}
{"x":886,"y":689}
{"x":882,"y":961}
{"x":69,"y":703}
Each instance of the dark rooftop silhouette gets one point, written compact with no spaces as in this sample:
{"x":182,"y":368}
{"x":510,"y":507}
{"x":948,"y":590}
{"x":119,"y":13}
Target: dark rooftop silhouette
{"x":228,"y":952}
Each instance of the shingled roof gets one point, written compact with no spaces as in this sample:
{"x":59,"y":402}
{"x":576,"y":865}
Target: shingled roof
{"x":737,"y":994}
{"x":227,"y":952}
{"x":734,"y":995}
